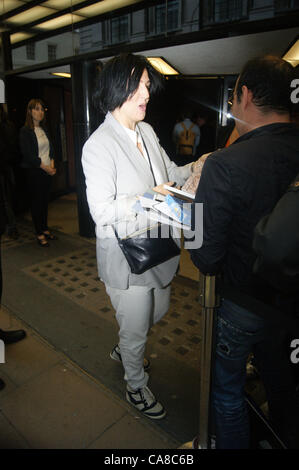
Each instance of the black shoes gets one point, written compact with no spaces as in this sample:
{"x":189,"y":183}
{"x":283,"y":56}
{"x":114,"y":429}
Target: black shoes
{"x":50,"y":236}
{"x":9,"y":337}
{"x":42,"y":241}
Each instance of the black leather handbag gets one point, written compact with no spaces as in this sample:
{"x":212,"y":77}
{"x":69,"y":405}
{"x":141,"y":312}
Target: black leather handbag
{"x":148,"y":249}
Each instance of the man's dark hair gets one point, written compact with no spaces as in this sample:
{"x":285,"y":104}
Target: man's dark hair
{"x":269,"y":79}
{"x":120,"y":78}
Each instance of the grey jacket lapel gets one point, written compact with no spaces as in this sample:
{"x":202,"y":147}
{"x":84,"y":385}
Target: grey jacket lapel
{"x":130,"y":150}
{"x":154,"y":152}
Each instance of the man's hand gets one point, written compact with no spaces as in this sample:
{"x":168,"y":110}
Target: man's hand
{"x":196,"y":167}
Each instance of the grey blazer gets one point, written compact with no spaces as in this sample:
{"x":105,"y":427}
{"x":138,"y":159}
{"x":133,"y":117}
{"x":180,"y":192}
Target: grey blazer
{"x":116,"y":173}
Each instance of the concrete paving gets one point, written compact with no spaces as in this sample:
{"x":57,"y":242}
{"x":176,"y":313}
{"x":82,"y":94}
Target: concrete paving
{"x":51,"y":403}
{"x":62,"y":389}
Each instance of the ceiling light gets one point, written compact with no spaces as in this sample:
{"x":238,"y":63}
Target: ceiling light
{"x":30,"y":15}
{"x":17,"y":37}
{"x":292,"y":55}
{"x":61,"y":74}
{"x":8,"y":5}
{"x":105,"y":6}
{"x":61,"y":4}
{"x":60,"y":22}
{"x":162,"y":66}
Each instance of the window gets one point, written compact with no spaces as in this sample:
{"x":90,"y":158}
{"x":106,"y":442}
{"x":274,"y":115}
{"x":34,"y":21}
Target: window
{"x":228,"y":10}
{"x":52,"y":48}
{"x":120,"y":29}
{"x":164,"y":17}
{"x":217,"y":11}
{"x":285,"y":5}
{"x":30,"y":51}
{"x":167,"y":18}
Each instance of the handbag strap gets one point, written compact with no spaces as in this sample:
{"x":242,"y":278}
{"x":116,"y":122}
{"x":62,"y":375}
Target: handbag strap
{"x":151,"y":168}
{"x":116,"y":234}
{"x":148,"y":155}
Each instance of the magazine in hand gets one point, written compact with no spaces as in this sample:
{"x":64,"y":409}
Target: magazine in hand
{"x":189,"y":197}
{"x":162,"y":212}
{"x":180,"y":209}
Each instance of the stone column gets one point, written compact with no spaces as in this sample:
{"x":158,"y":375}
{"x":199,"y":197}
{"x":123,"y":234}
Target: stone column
{"x":86,"y":118}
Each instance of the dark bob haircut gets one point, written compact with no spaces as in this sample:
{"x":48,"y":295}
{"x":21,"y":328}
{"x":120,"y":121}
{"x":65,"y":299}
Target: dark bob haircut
{"x":269,"y":79}
{"x":120,"y":78}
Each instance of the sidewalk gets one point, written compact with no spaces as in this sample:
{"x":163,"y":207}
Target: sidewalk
{"x":50,"y":403}
{"x":62,"y":389}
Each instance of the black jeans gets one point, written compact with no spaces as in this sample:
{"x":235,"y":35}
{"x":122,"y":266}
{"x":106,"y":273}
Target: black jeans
{"x":238,"y":333}
{"x":38,"y":184}
{"x":1,"y":282}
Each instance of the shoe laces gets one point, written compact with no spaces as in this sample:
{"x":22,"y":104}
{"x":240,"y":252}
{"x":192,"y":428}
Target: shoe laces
{"x":147,"y":396}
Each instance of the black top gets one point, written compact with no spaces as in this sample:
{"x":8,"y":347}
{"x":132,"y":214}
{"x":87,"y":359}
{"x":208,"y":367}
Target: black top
{"x":239,"y":185}
{"x":29,"y":148}
{"x":9,"y":155}
{"x":276,"y":243}
{"x":9,"y":151}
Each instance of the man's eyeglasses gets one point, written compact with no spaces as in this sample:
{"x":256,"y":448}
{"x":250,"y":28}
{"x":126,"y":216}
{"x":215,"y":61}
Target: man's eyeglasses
{"x":230,"y":99}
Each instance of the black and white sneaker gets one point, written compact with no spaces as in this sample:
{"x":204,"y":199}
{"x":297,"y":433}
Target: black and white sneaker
{"x":116,"y":356}
{"x":144,"y":400}
{"x":195,"y":442}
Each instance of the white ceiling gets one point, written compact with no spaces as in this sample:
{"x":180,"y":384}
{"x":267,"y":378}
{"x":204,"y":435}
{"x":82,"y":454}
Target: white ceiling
{"x":225,"y":56}
{"x":214,"y":57}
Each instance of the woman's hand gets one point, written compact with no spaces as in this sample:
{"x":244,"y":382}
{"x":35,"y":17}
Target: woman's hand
{"x":50,"y":171}
{"x":161,"y":190}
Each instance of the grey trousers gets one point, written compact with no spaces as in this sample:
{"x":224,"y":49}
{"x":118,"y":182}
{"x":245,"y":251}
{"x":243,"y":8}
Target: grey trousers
{"x":137,"y":309}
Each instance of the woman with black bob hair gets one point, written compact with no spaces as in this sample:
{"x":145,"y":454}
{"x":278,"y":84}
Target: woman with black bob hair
{"x":125,"y":69}
{"x":121,"y":160}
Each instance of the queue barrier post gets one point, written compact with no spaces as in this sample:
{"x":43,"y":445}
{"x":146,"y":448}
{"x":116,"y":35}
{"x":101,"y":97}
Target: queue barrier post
{"x":209,"y":302}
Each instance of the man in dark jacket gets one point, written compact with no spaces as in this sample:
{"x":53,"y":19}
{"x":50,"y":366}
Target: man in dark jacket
{"x":238,"y":186}
{"x":9,"y":157}
{"x":11,"y":336}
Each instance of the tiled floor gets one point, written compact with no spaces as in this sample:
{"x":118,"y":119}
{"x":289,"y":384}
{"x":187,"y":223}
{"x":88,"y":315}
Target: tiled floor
{"x":75,"y":276}
{"x":62,"y":389}
{"x":49,"y":403}
{"x":56,"y":296}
